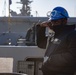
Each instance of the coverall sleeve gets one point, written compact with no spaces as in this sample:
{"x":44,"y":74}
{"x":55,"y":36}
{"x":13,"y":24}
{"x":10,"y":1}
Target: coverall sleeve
{"x":41,"y":38}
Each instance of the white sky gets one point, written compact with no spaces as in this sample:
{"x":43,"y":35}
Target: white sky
{"x":41,"y":6}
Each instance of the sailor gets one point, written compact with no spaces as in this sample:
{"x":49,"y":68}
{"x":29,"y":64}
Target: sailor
{"x":60,"y":55}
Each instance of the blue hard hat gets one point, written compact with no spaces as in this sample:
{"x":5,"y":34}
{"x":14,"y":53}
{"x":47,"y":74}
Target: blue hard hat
{"x":58,"y":13}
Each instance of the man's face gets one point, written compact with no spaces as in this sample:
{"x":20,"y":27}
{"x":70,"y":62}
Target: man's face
{"x":56,"y":22}
{"x":59,"y":22}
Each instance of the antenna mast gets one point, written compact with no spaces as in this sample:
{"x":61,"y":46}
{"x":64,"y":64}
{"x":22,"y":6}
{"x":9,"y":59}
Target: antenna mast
{"x":26,"y":10}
